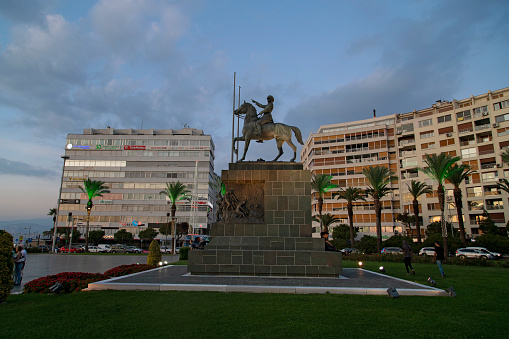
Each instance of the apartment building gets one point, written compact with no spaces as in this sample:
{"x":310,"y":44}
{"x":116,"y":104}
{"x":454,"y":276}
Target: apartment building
{"x":135,"y":166}
{"x":476,"y":129}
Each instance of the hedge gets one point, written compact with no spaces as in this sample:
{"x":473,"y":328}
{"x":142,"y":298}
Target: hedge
{"x":6,"y":265}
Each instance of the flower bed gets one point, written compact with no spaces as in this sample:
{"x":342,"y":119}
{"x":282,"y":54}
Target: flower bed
{"x":127,"y":269}
{"x":76,"y":281}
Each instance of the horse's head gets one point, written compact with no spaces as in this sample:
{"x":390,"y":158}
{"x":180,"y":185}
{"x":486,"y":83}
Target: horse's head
{"x":245,"y":108}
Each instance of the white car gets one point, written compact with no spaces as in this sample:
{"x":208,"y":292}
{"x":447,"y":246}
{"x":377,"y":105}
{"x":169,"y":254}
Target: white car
{"x":427,"y":251}
{"x":485,"y":251}
{"x":165,"y":249}
{"x":93,"y":249}
{"x":104,"y":248}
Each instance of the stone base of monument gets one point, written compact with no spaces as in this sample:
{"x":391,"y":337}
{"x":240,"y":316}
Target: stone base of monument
{"x":274,"y":238}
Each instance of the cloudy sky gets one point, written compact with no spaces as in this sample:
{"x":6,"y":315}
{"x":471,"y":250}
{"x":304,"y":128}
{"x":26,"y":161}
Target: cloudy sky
{"x":68,"y":65}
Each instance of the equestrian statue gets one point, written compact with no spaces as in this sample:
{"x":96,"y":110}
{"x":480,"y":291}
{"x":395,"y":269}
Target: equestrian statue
{"x":264,"y":128}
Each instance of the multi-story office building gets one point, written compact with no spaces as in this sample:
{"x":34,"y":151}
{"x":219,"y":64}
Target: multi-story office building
{"x":135,"y":166}
{"x":476,"y":129}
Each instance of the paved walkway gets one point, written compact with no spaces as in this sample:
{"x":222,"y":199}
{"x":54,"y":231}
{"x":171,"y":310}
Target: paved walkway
{"x":41,"y":265}
{"x":352,"y":281}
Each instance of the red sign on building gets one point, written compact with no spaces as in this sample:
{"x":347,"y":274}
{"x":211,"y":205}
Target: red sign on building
{"x":134,"y":148}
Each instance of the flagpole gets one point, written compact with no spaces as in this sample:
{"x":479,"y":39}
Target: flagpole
{"x":233,"y":114}
{"x":238,"y":124}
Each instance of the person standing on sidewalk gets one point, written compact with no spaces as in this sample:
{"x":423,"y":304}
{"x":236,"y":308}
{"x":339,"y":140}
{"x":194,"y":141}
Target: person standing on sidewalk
{"x":19,"y":264}
{"x":407,"y":251}
{"x":439,"y":258}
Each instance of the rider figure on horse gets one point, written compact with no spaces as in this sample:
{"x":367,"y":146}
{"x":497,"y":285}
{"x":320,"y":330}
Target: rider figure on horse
{"x":267,"y":114}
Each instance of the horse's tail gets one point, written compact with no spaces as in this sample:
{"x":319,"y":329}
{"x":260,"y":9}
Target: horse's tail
{"x":298,"y":135}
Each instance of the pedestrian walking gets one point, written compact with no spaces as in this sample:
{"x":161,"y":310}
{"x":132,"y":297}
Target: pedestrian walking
{"x":407,"y":251}
{"x":439,"y":258}
{"x":19,"y":264}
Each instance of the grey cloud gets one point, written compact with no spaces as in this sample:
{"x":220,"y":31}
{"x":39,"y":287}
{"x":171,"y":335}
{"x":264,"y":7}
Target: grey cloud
{"x":20,"y":168}
{"x":23,"y":12}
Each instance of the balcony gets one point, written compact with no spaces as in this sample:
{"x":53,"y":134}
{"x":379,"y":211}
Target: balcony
{"x":492,"y":193}
{"x":407,"y":142}
{"x":467,"y":142}
{"x":494,"y":207}
{"x":409,"y":175}
{"x":486,"y":152}
{"x":465,"y":130}
{"x":488,"y":166}
{"x":481,"y":127}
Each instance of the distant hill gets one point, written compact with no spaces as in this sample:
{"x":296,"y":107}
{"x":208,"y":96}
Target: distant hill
{"x":38,"y":225}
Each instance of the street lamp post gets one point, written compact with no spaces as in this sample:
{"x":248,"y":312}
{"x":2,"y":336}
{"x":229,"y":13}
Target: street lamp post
{"x":65,"y":157}
{"x":166,"y":233}
{"x":29,"y":228}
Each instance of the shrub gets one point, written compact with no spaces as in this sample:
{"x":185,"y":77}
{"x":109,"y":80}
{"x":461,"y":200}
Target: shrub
{"x":72,"y":282}
{"x":492,"y":242}
{"x":184,"y":253}
{"x":154,"y":255}
{"x":6,"y":265}
{"x":397,"y":241}
{"x":367,"y":244}
{"x":127,"y":269}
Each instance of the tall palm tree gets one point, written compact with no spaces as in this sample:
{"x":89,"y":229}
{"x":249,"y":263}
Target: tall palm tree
{"x":321,"y":184}
{"x":328,"y":219}
{"x":504,"y":185}
{"x":438,"y":168}
{"x":379,"y":178}
{"x":416,"y":189}
{"x":53,"y":212}
{"x":456,"y":176}
{"x":175,"y":191}
{"x":505,"y":156}
{"x":350,"y":194}
{"x":92,"y":189}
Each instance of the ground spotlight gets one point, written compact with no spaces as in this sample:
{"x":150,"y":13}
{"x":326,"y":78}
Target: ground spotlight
{"x":360,"y":263}
{"x":391,"y":291}
{"x":382,"y":270}
{"x":451,"y":292}
{"x":57,"y":288}
{"x":166,"y":263}
{"x":431,"y":282}
{"x":160,"y":263}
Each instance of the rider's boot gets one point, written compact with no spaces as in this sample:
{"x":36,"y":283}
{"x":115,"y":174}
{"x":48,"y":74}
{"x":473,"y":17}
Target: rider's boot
{"x":259,"y":133}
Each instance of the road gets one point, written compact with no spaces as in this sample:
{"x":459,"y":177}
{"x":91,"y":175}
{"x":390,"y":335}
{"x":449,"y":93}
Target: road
{"x":40,"y":265}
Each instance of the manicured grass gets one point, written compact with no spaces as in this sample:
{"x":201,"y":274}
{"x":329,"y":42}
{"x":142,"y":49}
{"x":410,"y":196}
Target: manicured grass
{"x":480,"y":310}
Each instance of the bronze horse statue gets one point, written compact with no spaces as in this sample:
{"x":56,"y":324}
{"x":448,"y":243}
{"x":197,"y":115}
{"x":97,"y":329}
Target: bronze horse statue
{"x":281,"y":132}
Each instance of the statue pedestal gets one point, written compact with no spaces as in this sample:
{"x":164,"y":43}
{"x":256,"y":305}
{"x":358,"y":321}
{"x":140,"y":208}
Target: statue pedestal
{"x":275,"y":239}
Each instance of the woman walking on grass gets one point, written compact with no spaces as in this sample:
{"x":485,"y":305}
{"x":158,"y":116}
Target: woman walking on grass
{"x":407,"y":251}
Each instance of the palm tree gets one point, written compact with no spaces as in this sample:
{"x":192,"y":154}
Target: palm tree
{"x":416,"y":189}
{"x":438,"y":168}
{"x":92,"y":189}
{"x":327,"y":220}
{"x":350,"y":194}
{"x":321,"y":183}
{"x":175,"y":191}
{"x":379,"y":177}
{"x":456,"y":176}
{"x":53,"y":212}
{"x":505,"y":156}
{"x":504,"y":185}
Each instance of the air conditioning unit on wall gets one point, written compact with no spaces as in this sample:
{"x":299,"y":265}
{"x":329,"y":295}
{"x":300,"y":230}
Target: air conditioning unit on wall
{"x":495,"y":125}
{"x":449,"y":134}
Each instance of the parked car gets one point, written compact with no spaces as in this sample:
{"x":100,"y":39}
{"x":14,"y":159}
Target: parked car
{"x":44,"y":248}
{"x":133,"y":249}
{"x":472,"y":253}
{"x":348,"y":251}
{"x":165,"y":249}
{"x":485,"y":250}
{"x":117,"y":248}
{"x":74,"y":249}
{"x":104,"y":248}
{"x":427,"y":251}
{"x":391,"y":250}
{"x":94,"y":249}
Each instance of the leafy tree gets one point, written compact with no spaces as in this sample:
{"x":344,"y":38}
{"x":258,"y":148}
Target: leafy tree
{"x":416,"y":189}
{"x":397,"y":241}
{"x":76,"y":234}
{"x":341,"y":231}
{"x":321,"y":184}
{"x":92,"y":189}
{"x":182,"y":229}
{"x":95,"y":236}
{"x":367,"y":244}
{"x":148,"y":234}
{"x":435,"y":228}
{"x":456,"y":176}
{"x":488,"y":226}
{"x":350,"y":194}
{"x":379,"y":178}
{"x":123,"y":237}
{"x":175,"y":192}
{"x":438,"y":169}
{"x":406,"y":219}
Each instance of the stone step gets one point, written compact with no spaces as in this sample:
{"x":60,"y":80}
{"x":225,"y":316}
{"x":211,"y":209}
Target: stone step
{"x":266,"y":243}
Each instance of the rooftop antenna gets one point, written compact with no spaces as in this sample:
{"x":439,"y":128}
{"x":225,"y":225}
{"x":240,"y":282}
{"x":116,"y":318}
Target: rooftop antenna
{"x":233,"y":115}
{"x":141,"y":127}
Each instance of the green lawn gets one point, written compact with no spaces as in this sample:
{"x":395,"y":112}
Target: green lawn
{"x":479,"y":311}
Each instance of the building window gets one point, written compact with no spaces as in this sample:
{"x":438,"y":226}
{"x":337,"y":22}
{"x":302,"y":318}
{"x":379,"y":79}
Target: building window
{"x":500,"y":105}
{"x":428,"y":134}
{"x":466,"y":115}
{"x":468,"y":152}
{"x":491,"y":176}
{"x":501,"y":118}
{"x":481,"y":110}
{"x":445,"y":118}
{"x":427,"y":122}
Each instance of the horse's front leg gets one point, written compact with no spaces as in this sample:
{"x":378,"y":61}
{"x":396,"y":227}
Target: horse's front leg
{"x":246,"y":146}
{"x":235,"y":150}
